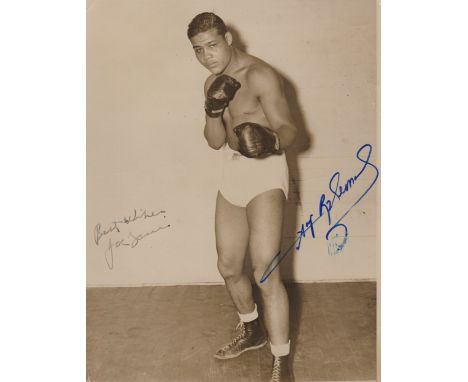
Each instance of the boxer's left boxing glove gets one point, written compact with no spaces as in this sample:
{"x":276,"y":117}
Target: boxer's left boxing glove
{"x":219,"y":94}
{"x":256,"y":141}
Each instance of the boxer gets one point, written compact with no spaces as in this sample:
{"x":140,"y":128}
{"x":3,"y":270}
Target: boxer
{"x":248,"y":118}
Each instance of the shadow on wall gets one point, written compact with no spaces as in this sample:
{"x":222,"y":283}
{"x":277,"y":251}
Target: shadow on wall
{"x":237,"y":41}
{"x":293,"y":207}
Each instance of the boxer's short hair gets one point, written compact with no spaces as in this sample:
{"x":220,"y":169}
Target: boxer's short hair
{"x":204,"y":22}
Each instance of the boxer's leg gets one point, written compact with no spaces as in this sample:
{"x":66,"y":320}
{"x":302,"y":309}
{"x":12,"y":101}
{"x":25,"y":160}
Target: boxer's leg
{"x":265,"y":218}
{"x":232,"y":233}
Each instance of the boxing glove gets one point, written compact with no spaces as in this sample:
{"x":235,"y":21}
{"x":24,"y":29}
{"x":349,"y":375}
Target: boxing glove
{"x":219,"y":94}
{"x":256,"y":141}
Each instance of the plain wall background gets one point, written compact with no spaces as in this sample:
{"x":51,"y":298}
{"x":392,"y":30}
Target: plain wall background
{"x":145,"y":144}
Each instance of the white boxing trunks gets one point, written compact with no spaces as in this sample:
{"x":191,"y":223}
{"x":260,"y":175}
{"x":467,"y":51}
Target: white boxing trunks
{"x":244,"y":178}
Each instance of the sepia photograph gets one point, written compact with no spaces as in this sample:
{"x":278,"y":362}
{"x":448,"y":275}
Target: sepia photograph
{"x":232,"y":190}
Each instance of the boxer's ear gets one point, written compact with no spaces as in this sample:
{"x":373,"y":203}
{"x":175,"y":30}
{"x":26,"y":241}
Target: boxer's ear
{"x":228,"y":38}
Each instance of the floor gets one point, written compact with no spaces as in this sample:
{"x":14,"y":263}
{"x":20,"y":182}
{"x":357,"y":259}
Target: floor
{"x":171,"y":333}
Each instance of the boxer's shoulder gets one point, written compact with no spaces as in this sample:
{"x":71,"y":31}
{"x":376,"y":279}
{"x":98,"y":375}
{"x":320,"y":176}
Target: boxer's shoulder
{"x":260,"y":75}
{"x":250,"y":64}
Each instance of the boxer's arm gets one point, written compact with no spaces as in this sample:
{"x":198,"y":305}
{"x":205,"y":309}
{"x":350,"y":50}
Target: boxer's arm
{"x":270,"y":91}
{"x":215,"y":133}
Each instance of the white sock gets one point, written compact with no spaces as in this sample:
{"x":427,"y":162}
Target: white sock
{"x":249,"y":316}
{"x":280,"y":350}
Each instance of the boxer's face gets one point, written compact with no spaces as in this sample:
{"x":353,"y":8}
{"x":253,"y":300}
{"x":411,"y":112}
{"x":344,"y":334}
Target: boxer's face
{"x":212,"y":50}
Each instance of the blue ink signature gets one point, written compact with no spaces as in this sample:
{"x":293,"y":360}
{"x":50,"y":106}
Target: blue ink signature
{"x":326,"y":206}
{"x":334,"y":247}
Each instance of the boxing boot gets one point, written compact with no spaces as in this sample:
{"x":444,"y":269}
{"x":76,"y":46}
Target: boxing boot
{"x":250,"y":336}
{"x":280,"y":371}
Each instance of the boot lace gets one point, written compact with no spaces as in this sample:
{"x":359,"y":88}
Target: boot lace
{"x":240,"y":328}
{"x":276,"y":372}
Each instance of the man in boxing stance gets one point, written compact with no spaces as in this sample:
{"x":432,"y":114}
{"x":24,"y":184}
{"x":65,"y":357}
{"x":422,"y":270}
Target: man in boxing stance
{"x":247,"y":116}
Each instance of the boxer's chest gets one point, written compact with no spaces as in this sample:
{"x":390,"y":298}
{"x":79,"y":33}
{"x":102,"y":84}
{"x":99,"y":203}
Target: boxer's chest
{"x":244,"y":107}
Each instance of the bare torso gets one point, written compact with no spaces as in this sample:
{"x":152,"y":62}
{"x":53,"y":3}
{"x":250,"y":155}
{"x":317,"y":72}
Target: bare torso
{"x":245,"y":107}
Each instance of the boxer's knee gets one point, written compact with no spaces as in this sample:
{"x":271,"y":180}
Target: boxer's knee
{"x":229,"y":270}
{"x":270,"y":285}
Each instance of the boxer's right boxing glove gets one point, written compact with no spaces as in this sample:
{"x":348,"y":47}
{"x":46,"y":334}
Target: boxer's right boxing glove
{"x":219,"y":94}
